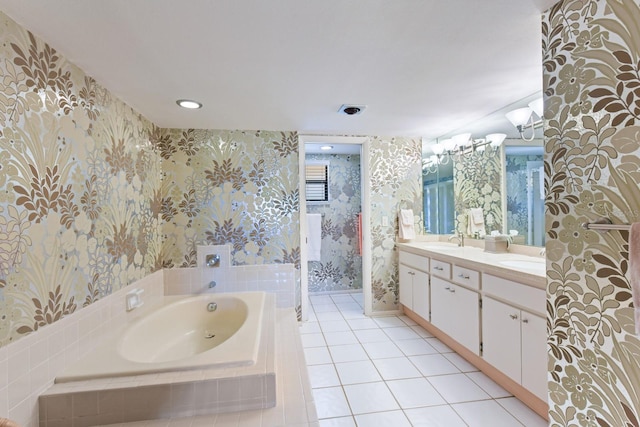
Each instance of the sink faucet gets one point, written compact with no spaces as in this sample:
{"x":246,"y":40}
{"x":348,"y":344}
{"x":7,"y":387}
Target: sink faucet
{"x":460,"y":238}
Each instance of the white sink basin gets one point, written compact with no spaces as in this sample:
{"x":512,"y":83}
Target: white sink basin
{"x":524,"y":264}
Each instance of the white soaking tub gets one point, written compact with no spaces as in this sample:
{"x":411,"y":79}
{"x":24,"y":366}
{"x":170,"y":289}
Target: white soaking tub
{"x":180,"y":334}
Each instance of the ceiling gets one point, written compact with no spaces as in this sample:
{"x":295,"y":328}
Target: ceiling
{"x":422,"y":67}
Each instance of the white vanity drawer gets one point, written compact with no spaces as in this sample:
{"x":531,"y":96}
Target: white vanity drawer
{"x":525,"y":296}
{"x":466,"y":277}
{"x":416,"y":261}
{"x":440,"y":268}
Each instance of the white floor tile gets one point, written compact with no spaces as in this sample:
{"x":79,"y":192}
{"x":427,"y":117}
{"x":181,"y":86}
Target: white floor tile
{"x":349,"y":306}
{"x":439,"y":345}
{"x":383,"y":419}
{"x":323,"y":376}
{"x":401,"y":333}
{"x":458,"y":388}
{"x":523,"y":413}
{"x":323,"y":308}
{"x":342,"y":298}
{"x":310,"y":328}
{"x":362,"y":324}
{"x":334,"y":326}
{"x":317,"y":356}
{"x":486,"y":413}
{"x":435,"y":416}
{"x":340,"y":338}
{"x":396,"y":368}
{"x":357,"y":372}
{"x":382,"y":350}
{"x":488,"y":385}
{"x":371,"y":335}
{"x":415,"y":347}
{"x":389,"y":322}
{"x":353,"y":314}
{"x":320,"y":299}
{"x":407,"y":321}
{"x":415,"y":393}
{"x":331,"y":402}
{"x":338,"y":422}
{"x":329,"y":315}
{"x":433,"y":364}
{"x":460,"y":362}
{"x":371,"y":397}
{"x":312,"y":340}
{"x":348,"y":353}
{"x":421,"y":331}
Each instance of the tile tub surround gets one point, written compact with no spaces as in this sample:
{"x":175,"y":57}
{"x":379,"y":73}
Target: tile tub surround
{"x":168,"y":395}
{"x":28,"y":366}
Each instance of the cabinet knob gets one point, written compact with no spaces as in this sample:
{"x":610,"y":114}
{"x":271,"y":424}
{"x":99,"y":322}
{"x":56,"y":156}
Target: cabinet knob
{"x":452,"y":291}
{"x":525,"y":320}
{"x":438,"y":268}
{"x":513,"y":316}
{"x":448,"y":288}
{"x":462,"y":276}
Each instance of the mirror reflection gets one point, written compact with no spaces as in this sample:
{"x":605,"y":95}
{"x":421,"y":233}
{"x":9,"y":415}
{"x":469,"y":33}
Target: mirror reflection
{"x":479,"y":186}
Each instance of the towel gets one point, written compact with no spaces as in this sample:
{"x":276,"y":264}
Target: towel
{"x":634,"y":270}
{"x":314,"y":241}
{"x":406,"y":229}
{"x":475,"y":222}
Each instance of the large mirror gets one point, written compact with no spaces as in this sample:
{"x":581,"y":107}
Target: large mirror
{"x":503,"y":183}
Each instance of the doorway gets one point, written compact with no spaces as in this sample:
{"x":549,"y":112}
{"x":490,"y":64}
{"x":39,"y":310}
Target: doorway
{"x":345,"y":225}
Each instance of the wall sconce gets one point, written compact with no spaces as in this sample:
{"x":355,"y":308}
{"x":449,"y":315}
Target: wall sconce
{"x":522,"y":118}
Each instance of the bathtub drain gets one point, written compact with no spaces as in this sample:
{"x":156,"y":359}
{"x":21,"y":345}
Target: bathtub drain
{"x":208,"y":335}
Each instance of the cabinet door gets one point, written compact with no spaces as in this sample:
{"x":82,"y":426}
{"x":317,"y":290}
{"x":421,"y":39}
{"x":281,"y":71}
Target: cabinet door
{"x":466,"y":317}
{"x":406,"y":286}
{"x":441,"y":304}
{"x":421,"y":294}
{"x":534,"y":354}
{"x":501,"y":337}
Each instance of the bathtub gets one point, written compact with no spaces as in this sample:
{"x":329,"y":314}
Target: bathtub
{"x":198,"y":332}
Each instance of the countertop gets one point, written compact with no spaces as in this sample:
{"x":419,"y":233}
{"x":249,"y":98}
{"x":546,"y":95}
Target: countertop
{"x":528,"y":270}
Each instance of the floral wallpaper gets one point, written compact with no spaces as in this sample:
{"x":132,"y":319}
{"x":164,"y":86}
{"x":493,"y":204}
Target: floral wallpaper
{"x":516,"y":181}
{"x":80,"y":193}
{"x":340,"y":267}
{"x":230,"y":187}
{"x":396,"y":183}
{"x":477,"y":183}
{"x":592,"y":169}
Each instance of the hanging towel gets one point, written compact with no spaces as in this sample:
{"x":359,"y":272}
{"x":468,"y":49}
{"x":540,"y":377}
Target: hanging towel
{"x":406,"y":229}
{"x":475,"y":222}
{"x":314,"y":241}
{"x":634,"y":270}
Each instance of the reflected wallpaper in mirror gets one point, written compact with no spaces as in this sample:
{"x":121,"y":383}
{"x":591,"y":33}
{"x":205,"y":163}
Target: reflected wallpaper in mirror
{"x":439,"y":210}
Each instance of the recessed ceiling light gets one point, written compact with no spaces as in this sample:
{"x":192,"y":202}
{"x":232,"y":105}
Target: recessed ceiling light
{"x":326,"y":147}
{"x":189,"y":103}
{"x":351,"y":110}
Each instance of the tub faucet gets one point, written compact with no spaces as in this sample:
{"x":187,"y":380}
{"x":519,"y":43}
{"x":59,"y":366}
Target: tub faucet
{"x":460,"y":238}
{"x":212,"y":260}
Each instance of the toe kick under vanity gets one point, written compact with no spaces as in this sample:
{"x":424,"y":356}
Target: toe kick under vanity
{"x":490,"y":308}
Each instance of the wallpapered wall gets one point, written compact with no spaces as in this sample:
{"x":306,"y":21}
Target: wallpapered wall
{"x":340,"y":267}
{"x":79,"y":188}
{"x":396,"y":182}
{"x":592,"y":169}
{"x":477,"y":183}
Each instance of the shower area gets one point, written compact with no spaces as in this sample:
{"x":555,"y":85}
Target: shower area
{"x":333,"y":201}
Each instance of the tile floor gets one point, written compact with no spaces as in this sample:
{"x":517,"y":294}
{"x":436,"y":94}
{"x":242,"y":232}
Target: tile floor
{"x":388,"y":371}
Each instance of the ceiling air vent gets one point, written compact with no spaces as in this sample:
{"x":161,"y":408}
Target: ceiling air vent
{"x":351,"y":110}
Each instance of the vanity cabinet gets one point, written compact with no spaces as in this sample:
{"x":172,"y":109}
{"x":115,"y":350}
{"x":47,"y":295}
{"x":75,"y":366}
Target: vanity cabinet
{"x":414,"y":283}
{"x":514,"y":338}
{"x":455,"y":310}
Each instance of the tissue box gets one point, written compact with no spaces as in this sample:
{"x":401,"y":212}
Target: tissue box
{"x":496,"y":244}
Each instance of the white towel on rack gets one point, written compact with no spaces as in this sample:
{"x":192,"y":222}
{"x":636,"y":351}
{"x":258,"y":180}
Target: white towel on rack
{"x":475,"y":222}
{"x":634,"y":270}
{"x":406,"y":229}
{"x":314,"y":240}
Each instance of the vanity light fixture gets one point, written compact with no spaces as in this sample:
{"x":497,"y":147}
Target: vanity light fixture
{"x":445,"y":150}
{"x":496,"y":139}
{"x":189,"y":104}
{"x":523,"y":118}
{"x":326,"y":147}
